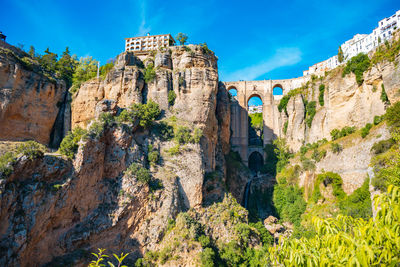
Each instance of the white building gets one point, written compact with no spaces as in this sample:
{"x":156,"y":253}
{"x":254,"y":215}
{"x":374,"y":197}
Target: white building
{"x":255,"y":109}
{"x":360,"y":43}
{"x":148,"y":43}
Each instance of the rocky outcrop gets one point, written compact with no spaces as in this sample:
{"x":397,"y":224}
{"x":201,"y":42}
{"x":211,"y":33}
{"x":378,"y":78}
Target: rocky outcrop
{"x":29,"y":100}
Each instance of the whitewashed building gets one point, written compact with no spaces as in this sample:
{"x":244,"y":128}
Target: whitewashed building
{"x":360,"y":43}
{"x":255,"y":109}
{"x":143,"y":44}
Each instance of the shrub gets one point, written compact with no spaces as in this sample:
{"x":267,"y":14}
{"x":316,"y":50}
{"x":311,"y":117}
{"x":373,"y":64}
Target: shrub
{"x":153,"y":156}
{"x":307,"y":164}
{"x":318,"y":155}
{"x":106,"y":118}
{"x":365,"y":130}
{"x":256,"y":121}
{"x":125,"y":117}
{"x":283,"y":103}
{"x":207,"y":257}
{"x":164,"y":131}
{"x":328,"y":178}
{"x":266,"y":237}
{"x":285,"y":126}
{"x":96,"y":130}
{"x":204,"y":241}
{"x":31,"y":149}
{"x":149,"y":73}
{"x":289,"y":203}
{"x":205,"y":49}
{"x":387,"y":169}
{"x":378,"y":119}
{"x":182,"y":135}
{"x":358,"y":204}
{"x":6,"y":162}
{"x":310,"y":112}
{"x":321,"y":95}
{"x":383,"y":146}
{"x":393,"y":118}
{"x":171,"y":97}
{"x":175,"y":150}
{"x":282,"y":153}
{"x":384,"y":96}
{"x":146,"y":113}
{"x":357,"y":64}
{"x":140,"y":173}
{"x":336,"y":148}
{"x":69,"y":145}
{"x":197,"y":134}
{"x":336,"y":134}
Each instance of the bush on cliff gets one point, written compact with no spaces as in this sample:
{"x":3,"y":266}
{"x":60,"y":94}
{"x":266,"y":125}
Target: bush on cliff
{"x":289,"y":203}
{"x":321,"y":95}
{"x":357,"y":65}
{"x":31,"y":149}
{"x":358,"y":204}
{"x":6,"y":164}
{"x":283,"y":103}
{"x":328,"y":178}
{"x":310,"y":112}
{"x":336,"y":134}
{"x":140,"y":173}
{"x":69,"y":145}
{"x":365,"y":130}
{"x":149,"y":73}
{"x":171,"y":97}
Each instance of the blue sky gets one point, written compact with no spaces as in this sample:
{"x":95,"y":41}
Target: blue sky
{"x":254,"y":40}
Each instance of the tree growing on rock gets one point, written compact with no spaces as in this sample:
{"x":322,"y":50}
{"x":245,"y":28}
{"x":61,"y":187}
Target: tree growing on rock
{"x":340,"y":54}
{"x":182,"y":38}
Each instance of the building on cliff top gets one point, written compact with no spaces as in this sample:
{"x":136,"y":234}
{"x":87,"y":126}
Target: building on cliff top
{"x":145,"y":44}
{"x":360,"y":43}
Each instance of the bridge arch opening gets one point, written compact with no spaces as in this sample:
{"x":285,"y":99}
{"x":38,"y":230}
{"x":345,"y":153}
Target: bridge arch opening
{"x":233,"y":93}
{"x":256,"y":161}
{"x":256,"y":121}
{"x":277,"y":90}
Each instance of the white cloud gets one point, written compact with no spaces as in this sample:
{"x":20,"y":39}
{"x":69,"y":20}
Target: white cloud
{"x":283,"y":57}
{"x":143,"y":28}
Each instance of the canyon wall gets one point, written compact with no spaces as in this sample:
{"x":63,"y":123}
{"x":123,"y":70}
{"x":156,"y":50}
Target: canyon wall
{"x":29,"y":100}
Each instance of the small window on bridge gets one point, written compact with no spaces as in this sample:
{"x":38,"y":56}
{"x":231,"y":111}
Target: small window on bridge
{"x":256,"y":121}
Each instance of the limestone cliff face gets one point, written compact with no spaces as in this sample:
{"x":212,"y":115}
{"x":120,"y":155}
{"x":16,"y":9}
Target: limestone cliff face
{"x":346,"y":103}
{"x":29,"y":101}
{"x":79,"y":206}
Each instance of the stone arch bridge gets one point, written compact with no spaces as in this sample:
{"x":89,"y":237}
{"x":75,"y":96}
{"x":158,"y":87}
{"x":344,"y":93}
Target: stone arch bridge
{"x":239,"y":112}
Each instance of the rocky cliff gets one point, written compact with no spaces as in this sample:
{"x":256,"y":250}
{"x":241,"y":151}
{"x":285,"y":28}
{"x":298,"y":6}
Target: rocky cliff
{"x":30,"y":100}
{"x":67,"y":208}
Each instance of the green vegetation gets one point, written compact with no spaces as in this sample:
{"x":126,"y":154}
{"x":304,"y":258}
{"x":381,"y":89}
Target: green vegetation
{"x":153,"y":155}
{"x":283,"y":103}
{"x":182,"y":38}
{"x":357,"y":65}
{"x":171,"y":97}
{"x":358,"y":204}
{"x":289,"y":203}
{"x":307,"y":164}
{"x":139,"y":173}
{"x":317,"y":155}
{"x":149,"y":73}
{"x":6,"y":162}
{"x":346,"y":241}
{"x":145,"y":113}
{"x":383,"y":146}
{"x":85,"y":70}
{"x":310,"y":112}
{"x":101,"y":256}
{"x":384,"y":96}
{"x":393,"y":120}
{"x":365,"y":130}
{"x":336,"y":148}
{"x":321,"y":95}
{"x":340,"y":55}
{"x":29,"y":149}
{"x":305,"y":148}
{"x":205,"y":49}
{"x":328,"y":178}
{"x":282,"y":153}
{"x":256,"y":121}
{"x":378,"y":119}
{"x":336,"y":134}
{"x":386,"y":52}
{"x":285,"y":126}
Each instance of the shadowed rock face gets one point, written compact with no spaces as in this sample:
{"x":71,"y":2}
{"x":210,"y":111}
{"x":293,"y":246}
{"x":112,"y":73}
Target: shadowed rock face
{"x":29,"y":101}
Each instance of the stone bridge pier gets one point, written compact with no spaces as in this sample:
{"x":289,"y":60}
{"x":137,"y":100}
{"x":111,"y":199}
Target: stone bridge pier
{"x":271,"y":116}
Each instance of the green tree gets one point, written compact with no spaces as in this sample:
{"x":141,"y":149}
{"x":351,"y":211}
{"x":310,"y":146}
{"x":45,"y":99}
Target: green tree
{"x":49,"y":61}
{"x":340,"y":55}
{"x":182,"y":38}
{"x":85,"y":70}
{"x":66,"y":67}
{"x":32,"y":52}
